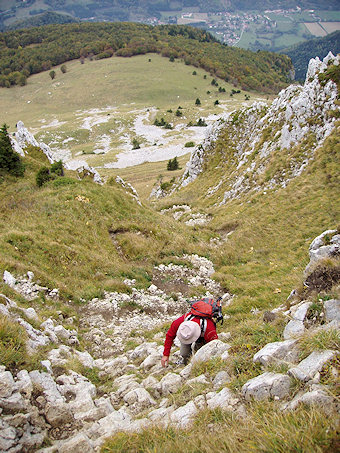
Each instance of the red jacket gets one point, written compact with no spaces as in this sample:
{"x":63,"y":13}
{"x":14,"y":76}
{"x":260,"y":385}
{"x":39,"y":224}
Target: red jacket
{"x":210,"y":333}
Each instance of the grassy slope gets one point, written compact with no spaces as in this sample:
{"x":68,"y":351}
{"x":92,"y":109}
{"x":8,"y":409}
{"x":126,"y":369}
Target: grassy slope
{"x":123,"y":86}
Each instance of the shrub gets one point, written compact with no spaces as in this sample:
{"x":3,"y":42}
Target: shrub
{"x":189,"y":145}
{"x":42,"y":176}
{"x":57,"y":168}
{"x":10,"y":161}
{"x":63,"y":69}
{"x":172,"y":164}
{"x":197,"y":102}
{"x":52,"y":74}
{"x":135,"y":144}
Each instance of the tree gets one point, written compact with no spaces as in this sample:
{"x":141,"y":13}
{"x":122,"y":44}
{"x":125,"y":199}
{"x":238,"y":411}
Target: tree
{"x":52,"y":74}
{"x":172,"y":164}
{"x":135,"y":144}
{"x":198,"y":102}
{"x":10,"y":161}
{"x":63,"y":68}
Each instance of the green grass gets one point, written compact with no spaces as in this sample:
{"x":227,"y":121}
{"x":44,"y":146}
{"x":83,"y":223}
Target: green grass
{"x":263,"y":430}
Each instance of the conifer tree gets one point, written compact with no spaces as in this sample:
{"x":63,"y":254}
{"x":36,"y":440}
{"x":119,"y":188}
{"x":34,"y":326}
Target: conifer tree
{"x":10,"y":161}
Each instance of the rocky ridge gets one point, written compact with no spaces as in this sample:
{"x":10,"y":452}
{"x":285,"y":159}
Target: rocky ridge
{"x":59,"y":402}
{"x":297,"y":122}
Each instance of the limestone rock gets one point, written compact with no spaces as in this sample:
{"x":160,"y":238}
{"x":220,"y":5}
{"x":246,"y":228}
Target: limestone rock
{"x":170,"y":383}
{"x":332,"y":310}
{"x":267,"y":385}
{"x":223,"y":399}
{"x":274,"y":351}
{"x":139,"y":398}
{"x":221,"y":378}
{"x":311,"y":365}
{"x":7,"y":384}
{"x":183,"y":416}
{"x":79,"y":443}
{"x":295,"y":327}
{"x":315,"y":397}
{"x":58,"y":414}
{"x":213,"y":349}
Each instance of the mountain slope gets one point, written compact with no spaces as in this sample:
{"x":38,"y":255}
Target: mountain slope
{"x":25,"y":52}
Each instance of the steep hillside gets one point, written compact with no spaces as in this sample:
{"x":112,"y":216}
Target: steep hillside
{"x":300,"y":54}
{"x":25,"y":52}
{"x":92,"y":278}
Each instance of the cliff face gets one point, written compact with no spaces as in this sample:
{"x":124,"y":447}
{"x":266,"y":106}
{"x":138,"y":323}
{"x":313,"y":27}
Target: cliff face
{"x":265,"y":146}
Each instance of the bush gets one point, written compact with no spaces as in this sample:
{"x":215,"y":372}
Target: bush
{"x":63,"y":68}
{"x":197,"y":102}
{"x":57,"y":168}
{"x":189,"y":145}
{"x":42,"y":176}
{"x":135,"y":144}
{"x":10,"y":161}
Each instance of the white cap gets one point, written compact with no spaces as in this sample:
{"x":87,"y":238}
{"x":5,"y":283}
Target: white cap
{"x":188,"y":332}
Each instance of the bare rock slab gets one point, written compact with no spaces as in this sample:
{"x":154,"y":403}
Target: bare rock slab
{"x":276,"y":351}
{"x":311,"y":365}
{"x":267,"y":385}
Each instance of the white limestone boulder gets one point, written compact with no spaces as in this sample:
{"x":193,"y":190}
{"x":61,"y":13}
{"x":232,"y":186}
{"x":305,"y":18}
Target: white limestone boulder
{"x":184,"y":415}
{"x":276,"y":351}
{"x":311,"y":365}
{"x":332,"y":310}
{"x":211,"y":350}
{"x":267,"y":385}
{"x":170,"y":383}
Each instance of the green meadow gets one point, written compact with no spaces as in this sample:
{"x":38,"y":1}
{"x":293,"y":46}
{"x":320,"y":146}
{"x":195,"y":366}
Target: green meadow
{"x":89,"y":112}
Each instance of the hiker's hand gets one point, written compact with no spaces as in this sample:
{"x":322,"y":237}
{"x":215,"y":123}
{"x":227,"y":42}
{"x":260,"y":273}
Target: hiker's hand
{"x":165,"y":361}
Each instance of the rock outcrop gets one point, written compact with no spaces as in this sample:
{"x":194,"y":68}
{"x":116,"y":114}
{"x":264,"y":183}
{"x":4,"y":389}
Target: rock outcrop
{"x":298,"y":119}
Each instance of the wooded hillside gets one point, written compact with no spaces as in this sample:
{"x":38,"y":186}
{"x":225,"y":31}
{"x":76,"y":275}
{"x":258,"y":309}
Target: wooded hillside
{"x":29,"y":51}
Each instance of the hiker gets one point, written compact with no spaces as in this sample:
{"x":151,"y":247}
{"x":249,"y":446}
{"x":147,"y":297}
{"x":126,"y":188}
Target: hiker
{"x":198,"y":326}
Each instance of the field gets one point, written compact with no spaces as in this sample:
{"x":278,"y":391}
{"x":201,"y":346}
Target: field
{"x":95,"y":110}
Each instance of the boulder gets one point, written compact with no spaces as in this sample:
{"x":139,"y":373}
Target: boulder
{"x":311,"y":365}
{"x":58,"y":415}
{"x":44,"y":384}
{"x":7,"y":384}
{"x":221,"y":378}
{"x":139,"y":399}
{"x":275,"y":351}
{"x":170,"y":383}
{"x":332,"y":310}
{"x":162,"y":415}
{"x":201,"y":379}
{"x":267,"y":385}
{"x":317,"y":397}
{"x":183,"y":416}
{"x":213,"y":349}
{"x":79,"y":443}
{"x":295,"y":327}
{"x":223,"y":399}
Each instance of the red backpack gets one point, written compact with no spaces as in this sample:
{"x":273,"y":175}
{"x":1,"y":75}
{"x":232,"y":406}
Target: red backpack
{"x":207,"y":308}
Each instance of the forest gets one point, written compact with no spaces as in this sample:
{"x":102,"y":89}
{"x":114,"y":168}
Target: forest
{"x":33,"y":50}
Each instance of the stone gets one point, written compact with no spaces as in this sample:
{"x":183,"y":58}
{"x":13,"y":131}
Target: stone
{"x":201,"y":379}
{"x":184,"y":415}
{"x":221,"y":378}
{"x":151,"y":361}
{"x":311,"y":365}
{"x":47,"y":365}
{"x":213,"y":349}
{"x":293,"y":329}
{"x":318,"y":397}
{"x":267,"y":385}
{"x":161,"y":415}
{"x":170,"y":383}
{"x":223,"y":399}
{"x":77,"y":444}
{"x":7,"y":384}
{"x":7,"y":437}
{"x":185,"y":373}
{"x":45,"y":384}
{"x":139,"y":398}
{"x":13,"y":403}
{"x":143,"y":350}
{"x":332,"y":310}
{"x":58,"y":414}
{"x":9,"y":279}
{"x":31,"y":313}
{"x":274,"y":351}
{"x":24,"y":383}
